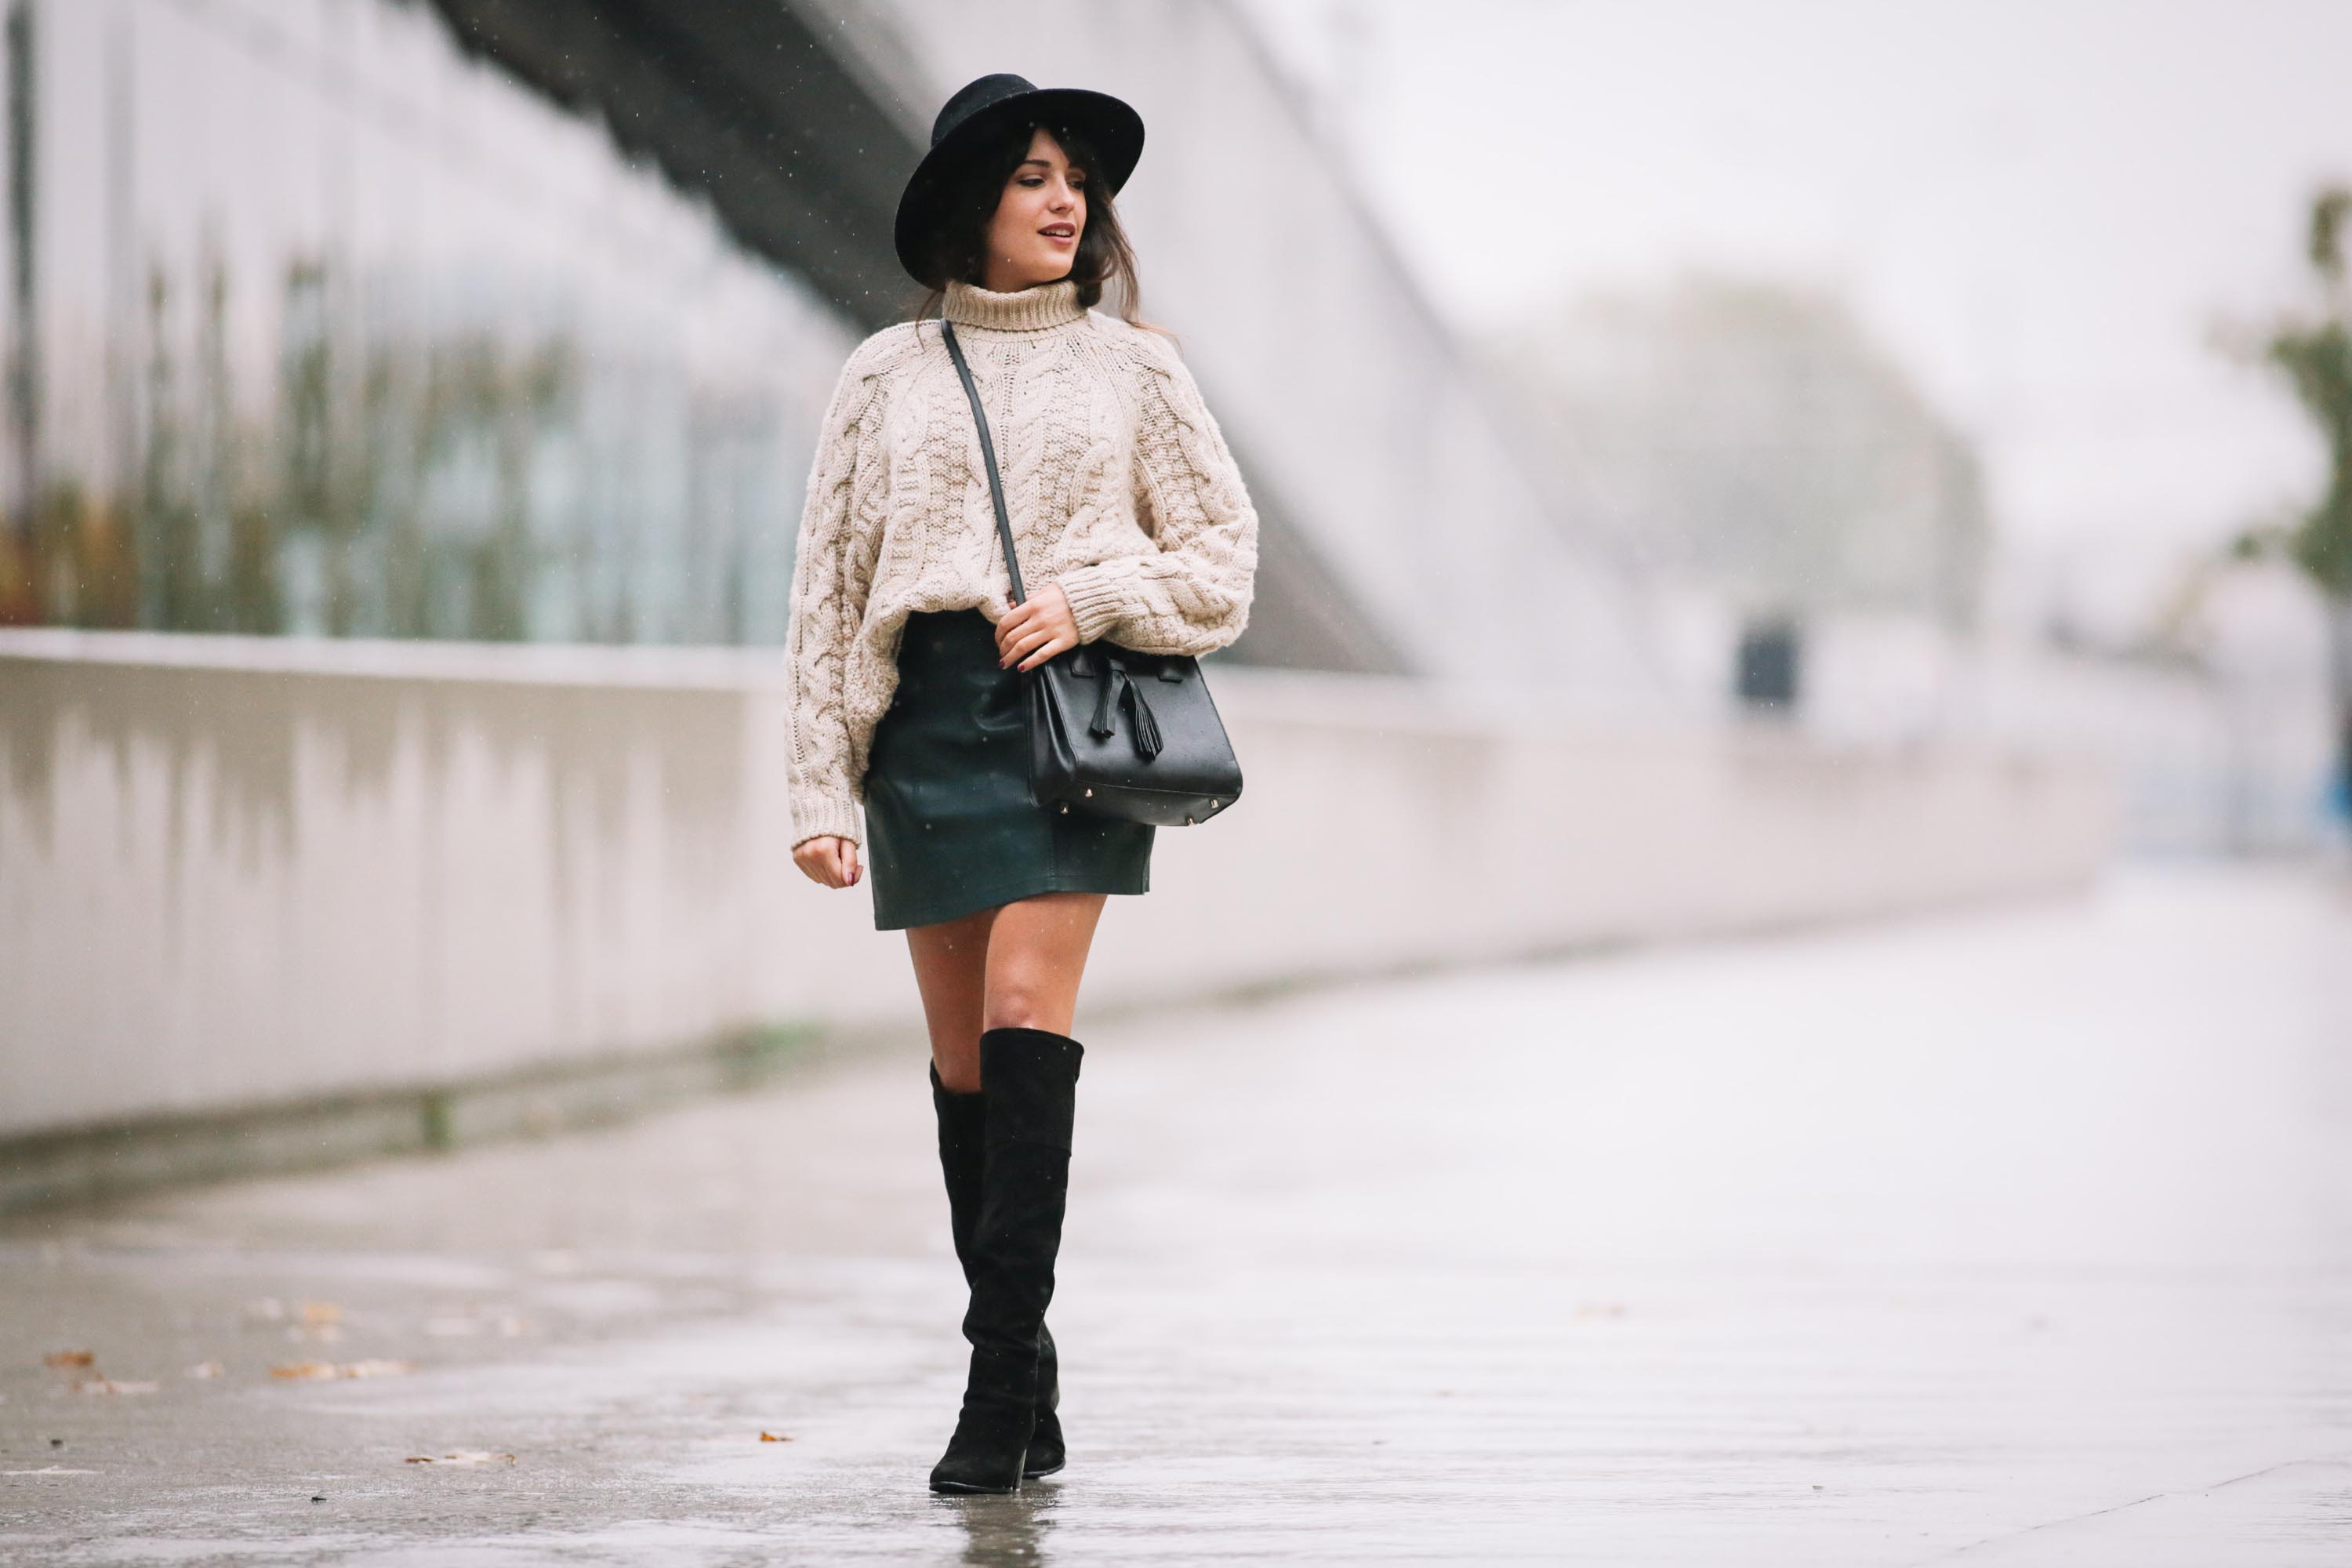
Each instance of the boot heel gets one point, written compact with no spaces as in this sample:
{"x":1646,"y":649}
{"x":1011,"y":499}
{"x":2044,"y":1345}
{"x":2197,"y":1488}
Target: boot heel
{"x":1046,"y":1452}
{"x":989,"y":1445}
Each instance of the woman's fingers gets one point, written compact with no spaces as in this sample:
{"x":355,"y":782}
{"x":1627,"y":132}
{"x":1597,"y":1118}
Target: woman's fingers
{"x":1054,"y":644}
{"x":1034,"y":631}
{"x":1038,"y":646}
{"x":1017,"y":620}
{"x":831,"y":860}
{"x":1019,"y":643}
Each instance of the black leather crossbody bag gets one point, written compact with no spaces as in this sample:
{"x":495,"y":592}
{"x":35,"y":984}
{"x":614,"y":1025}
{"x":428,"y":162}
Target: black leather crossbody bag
{"x":1114,"y":731}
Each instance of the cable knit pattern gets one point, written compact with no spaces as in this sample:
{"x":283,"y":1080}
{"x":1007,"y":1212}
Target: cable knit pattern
{"x":1118,"y":482}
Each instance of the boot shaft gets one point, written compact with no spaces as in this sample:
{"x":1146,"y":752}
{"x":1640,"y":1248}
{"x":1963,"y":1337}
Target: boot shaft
{"x":964,"y":1150}
{"x":1030,"y":1078}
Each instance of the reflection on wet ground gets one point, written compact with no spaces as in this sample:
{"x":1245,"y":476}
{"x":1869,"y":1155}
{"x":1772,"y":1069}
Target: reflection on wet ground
{"x":2018,"y":1237}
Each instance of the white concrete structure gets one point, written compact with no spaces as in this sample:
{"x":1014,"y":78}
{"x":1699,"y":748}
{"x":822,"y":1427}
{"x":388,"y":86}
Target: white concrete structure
{"x":238,"y":873}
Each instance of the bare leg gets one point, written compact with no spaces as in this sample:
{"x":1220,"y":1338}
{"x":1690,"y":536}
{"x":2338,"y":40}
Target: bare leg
{"x":1014,"y":967}
{"x":952,"y":973}
{"x":1036,"y":956}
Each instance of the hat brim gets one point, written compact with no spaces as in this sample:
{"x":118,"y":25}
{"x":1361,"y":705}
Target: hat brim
{"x":1113,"y":127}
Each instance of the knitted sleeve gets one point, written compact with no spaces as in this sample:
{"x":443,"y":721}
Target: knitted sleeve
{"x":1193,"y":594}
{"x":830,"y":572}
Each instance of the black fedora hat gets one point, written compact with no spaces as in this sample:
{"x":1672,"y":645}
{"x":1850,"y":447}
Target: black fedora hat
{"x":990,"y":103}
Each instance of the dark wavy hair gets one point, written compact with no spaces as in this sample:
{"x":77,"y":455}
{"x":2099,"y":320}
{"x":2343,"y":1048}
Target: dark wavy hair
{"x":959,"y":244}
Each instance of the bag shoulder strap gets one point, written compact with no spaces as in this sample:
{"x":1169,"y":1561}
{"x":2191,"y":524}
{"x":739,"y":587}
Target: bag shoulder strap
{"x":988,"y":457}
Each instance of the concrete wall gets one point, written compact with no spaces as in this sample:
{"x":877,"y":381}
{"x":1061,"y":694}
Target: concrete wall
{"x":236,"y":873}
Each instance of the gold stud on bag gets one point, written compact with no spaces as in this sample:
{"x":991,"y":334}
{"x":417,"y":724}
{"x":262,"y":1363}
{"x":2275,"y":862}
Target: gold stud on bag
{"x":1172,"y":763}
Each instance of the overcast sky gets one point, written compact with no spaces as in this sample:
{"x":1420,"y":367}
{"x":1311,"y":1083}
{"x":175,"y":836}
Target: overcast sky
{"x":2038,"y":207}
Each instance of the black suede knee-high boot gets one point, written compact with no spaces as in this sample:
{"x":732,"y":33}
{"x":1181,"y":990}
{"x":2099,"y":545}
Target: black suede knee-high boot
{"x":963,"y":1131}
{"x":1029,"y":1078}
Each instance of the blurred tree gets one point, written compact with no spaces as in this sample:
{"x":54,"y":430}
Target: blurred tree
{"x":2313,"y":352}
{"x":1751,"y":437}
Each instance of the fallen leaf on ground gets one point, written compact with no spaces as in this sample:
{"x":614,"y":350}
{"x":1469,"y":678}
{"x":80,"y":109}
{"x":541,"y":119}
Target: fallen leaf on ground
{"x":462,"y":1457}
{"x":308,"y":1370}
{"x":768,"y":1436}
{"x":378,"y":1367}
{"x":70,"y":1358}
{"x":204,"y":1369}
{"x":318,"y":1312}
{"x":108,"y":1386}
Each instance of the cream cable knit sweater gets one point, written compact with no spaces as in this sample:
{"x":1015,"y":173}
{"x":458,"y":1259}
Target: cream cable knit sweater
{"x":1119,"y":482}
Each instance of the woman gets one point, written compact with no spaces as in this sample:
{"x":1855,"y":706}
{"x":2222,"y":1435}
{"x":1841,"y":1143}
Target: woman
{"x":908,"y":662}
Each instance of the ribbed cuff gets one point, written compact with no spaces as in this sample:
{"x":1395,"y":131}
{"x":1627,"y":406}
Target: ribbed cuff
{"x":1097,"y":600}
{"x":816,"y":818}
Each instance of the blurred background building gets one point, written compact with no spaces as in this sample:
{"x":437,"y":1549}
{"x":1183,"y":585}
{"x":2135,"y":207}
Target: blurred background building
{"x":325,"y":328}
{"x":360,"y":337}
{"x":1928,"y":343}
{"x":354,"y":317}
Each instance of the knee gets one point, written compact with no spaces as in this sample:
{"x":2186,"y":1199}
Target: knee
{"x":1021,"y":1006}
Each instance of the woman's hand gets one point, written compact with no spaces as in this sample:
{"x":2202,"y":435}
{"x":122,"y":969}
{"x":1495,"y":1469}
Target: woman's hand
{"x":829,"y":859}
{"x":1036,"y":629}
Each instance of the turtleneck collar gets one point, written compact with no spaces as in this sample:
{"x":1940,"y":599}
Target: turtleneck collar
{"x":1026,"y":311}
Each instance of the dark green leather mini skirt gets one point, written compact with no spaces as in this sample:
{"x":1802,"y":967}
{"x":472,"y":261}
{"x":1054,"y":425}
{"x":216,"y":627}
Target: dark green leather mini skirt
{"x":950,"y":825}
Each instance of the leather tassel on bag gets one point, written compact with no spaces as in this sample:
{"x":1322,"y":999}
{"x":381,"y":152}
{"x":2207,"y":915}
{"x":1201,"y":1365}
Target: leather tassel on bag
{"x":1104,"y":724}
{"x":1147,"y":727}
{"x":1117,"y":688}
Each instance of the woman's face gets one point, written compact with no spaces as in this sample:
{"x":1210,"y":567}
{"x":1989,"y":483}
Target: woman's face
{"x":1039,"y":216}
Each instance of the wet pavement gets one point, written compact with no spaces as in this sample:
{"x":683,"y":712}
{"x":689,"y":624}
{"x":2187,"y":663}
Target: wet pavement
{"x":2017,"y":1236}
